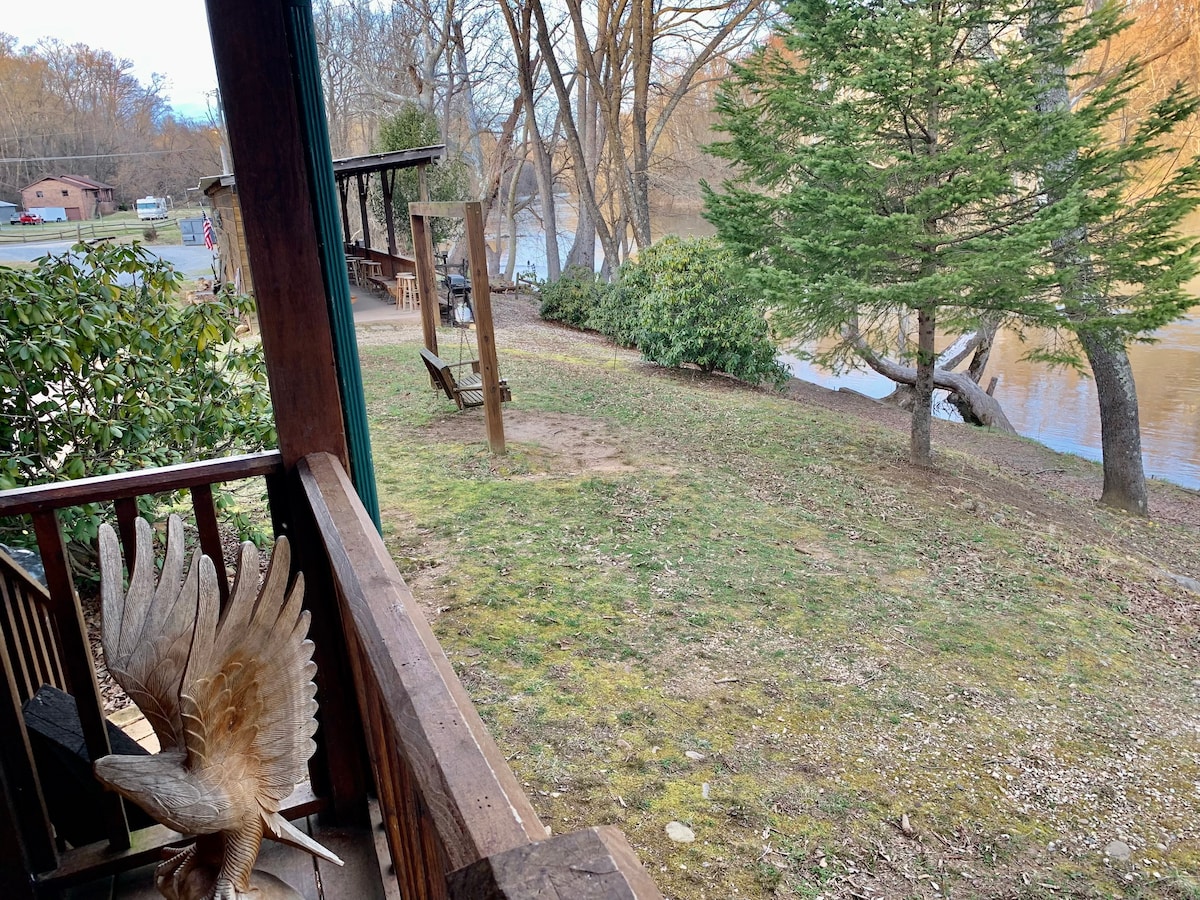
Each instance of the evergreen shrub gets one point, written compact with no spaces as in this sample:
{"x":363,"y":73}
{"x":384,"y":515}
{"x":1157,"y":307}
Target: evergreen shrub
{"x":574,"y":297}
{"x":107,"y":370}
{"x":693,"y":308}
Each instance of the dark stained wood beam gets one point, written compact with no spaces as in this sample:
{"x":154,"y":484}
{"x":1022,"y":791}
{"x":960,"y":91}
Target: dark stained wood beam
{"x":472,"y":800}
{"x":262,"y":81}
{"x":250,"y":49}
{"x":450,"y":209}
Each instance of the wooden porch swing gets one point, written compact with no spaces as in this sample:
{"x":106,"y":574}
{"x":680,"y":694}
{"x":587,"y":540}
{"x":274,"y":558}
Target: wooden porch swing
{"x":465,"y":390}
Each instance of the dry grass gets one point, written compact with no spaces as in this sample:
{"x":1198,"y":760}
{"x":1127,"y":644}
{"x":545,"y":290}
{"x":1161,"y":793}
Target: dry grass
{"x":680,"y":599}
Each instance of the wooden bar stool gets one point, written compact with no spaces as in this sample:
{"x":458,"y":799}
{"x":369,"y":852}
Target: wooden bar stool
{"x":406,"y":292}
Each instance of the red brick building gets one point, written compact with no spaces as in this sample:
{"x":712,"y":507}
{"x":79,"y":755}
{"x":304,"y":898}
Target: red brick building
{"x":81,"y":197}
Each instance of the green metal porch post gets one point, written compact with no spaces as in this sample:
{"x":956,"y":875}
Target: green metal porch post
{"x":306,"y":70}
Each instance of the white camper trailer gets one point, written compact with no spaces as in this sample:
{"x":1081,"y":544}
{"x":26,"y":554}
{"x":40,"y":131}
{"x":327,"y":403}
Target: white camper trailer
{"x":152,"y":208}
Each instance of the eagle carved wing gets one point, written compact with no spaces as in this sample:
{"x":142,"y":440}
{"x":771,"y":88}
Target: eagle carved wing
{"x":147,"y":633}
{"x":248,"y":698}
{"x":229,"y":693}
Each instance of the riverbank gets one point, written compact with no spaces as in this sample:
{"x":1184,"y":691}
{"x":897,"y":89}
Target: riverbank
{"x":1058,"y":407}
{"x":678,"y":599}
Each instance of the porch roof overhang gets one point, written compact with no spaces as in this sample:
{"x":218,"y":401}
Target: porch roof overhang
{"x":384,"y":162}
{"x":361,"y":168}
{"x":210,"y":181}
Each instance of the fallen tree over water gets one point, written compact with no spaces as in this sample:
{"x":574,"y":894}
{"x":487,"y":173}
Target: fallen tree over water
{"x":973,"y":401}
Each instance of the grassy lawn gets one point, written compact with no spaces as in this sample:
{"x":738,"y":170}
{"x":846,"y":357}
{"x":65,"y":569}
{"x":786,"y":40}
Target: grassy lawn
{"x":677,"y":599}
{"x":123,"y":226}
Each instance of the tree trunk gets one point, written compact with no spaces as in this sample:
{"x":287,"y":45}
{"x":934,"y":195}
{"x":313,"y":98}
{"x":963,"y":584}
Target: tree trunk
{"x":983,"y":339}
{"x":587,"y":194}
{"x":583,"y":247}
{"x":475,"y":157}
{"x":543,"y":168}
{"x":642,"y":14}
{"x":510,"y":220}
{"x":920,"y":453}
{"x":983,"y":348}
{"x":1120,"y":431}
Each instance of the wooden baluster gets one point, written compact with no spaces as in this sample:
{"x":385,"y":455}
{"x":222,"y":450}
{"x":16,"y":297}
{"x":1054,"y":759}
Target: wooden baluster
{"x":75,"y":652}
{"x":210,"y":536}
{"x":14,"y":640}
{"x":32,"y":640}
{"x":57,"y":674}
{"x":32,"y":650}
{"x":22,"y":806}
{"x":47,"y":648}
{"x":127,"y":511}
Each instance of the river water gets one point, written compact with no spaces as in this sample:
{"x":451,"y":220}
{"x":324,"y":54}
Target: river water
{"x":1054,"y":406}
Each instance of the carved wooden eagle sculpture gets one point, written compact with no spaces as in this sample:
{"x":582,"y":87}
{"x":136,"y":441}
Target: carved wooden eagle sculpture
{"x":230,"y":695}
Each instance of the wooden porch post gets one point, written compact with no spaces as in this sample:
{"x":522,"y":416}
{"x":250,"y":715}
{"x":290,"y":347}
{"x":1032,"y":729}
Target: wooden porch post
{"x":387,"y":178}
{"x":362,"y":208}
{"x":343,"y":192}
{"x":250,"y":51}
{"x":262,"y":77}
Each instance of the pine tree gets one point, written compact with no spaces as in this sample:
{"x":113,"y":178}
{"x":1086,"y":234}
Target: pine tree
{"x":1124,"y":265}
{"x":892,"y":158}
{"x":448,"y":180}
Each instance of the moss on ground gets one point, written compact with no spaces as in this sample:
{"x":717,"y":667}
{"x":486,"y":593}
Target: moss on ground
{"x":751,"y":618}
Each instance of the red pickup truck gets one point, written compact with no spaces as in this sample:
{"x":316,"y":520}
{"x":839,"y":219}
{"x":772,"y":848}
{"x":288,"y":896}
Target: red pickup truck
{"x":25,"y":218}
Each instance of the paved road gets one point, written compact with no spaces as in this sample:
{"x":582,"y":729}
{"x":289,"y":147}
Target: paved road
{"x":192,"y":262}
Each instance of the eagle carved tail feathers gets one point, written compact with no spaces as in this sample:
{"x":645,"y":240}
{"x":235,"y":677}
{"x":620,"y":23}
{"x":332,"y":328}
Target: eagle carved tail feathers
{"x":285,"y":832}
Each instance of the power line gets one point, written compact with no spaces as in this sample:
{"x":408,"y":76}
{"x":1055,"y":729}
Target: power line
{"x":22,"y":159}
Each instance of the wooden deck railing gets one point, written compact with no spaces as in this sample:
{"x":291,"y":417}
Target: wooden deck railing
{"x":26,"y":631}
{"x":44,"y":640}
{"x":457,"y":823}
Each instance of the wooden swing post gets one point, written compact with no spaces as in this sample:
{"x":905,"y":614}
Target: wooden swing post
{"x":481,"y":300}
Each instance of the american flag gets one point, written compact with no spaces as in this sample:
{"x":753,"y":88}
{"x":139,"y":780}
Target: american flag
{"x":208,"y":233}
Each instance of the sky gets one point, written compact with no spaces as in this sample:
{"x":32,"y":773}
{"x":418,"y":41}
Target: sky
{"x":167,"y":37}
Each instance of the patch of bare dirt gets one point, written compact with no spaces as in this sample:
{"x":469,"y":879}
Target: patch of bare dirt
{"x":562,"y":444}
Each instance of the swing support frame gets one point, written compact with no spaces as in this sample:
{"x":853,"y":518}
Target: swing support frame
{"x":471,"y":212}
